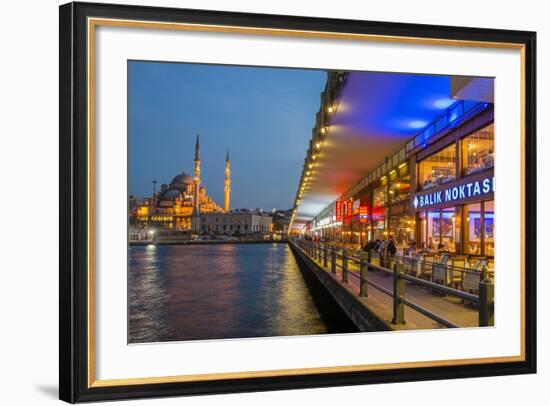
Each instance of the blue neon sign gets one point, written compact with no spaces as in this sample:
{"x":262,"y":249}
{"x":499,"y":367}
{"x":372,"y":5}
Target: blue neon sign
{"x":456,"y":193}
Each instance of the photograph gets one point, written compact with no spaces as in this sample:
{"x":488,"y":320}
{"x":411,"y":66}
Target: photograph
{"x":265,"y":201}
{"x":255,"y":202}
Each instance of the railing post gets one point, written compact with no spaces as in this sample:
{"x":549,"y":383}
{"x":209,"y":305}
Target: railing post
{"x":486,"y":303}
{"x":325,"y":259}
{"x":333,"y":260}
{"x":363,"y":271}
{"x":345,"y":266}
{"x":318,"y":251}
{"x":398,"y":293}
{"x":315,"y":251}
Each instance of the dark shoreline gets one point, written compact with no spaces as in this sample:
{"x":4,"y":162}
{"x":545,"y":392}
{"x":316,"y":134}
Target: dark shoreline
{"x":195,"y":242}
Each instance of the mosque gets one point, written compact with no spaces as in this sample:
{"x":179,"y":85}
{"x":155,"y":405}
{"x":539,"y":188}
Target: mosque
{"x":180,"y":204}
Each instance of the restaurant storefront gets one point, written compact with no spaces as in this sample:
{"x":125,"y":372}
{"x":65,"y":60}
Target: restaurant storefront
{"x":380,"y":211}
{"x":434,"y":196}
{"x":391,"y":214}
{"x":454,"y":199}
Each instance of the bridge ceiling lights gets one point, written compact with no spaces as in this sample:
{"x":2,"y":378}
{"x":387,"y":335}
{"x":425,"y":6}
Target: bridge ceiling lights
{"x":382,"y":111}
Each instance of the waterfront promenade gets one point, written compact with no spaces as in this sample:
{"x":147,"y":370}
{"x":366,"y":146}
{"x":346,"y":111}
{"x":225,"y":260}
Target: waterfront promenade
{"x":421,"y":306}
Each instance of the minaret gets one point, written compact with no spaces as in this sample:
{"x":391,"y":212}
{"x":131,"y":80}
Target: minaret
{"x":227,"y":187}
{"x":195,"y":220}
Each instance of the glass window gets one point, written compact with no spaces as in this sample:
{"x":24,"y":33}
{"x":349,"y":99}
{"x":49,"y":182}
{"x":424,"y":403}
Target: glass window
{"x":400,"y":189}
{"x":478,"y":150}
{"x":434,"y":229}
{"x":423,"y":229}
{"x":379,"y":212}
{"x":489,"y":220}
{"x":401,"y":227}
{"x":438,"y":168}
{"x":472,"y":229}
{"x":448,"y":229}
{"x":379,"y":197}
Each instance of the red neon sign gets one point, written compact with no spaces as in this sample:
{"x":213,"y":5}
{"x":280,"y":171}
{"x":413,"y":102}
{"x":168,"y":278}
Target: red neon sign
{"x":338,"y":210}
{"x":363,"y":214}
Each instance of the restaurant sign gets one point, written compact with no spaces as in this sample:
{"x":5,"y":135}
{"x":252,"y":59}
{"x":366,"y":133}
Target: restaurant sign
{"x":456,"y":192}
{"x":363,"y":214}
{"x":338,"y":210}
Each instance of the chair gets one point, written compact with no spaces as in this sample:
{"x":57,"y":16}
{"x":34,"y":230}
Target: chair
{"x":428,"y":261}
{"x":456,"y":275}
{"x":440,"y":274}
{"x":470,"y":281}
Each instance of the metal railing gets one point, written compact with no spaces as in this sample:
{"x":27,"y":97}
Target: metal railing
{"x":454,"y":113}
{"x":328,"y":256}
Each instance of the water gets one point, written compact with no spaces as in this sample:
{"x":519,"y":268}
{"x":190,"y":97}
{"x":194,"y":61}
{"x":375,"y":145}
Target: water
{"x":197,"y":292}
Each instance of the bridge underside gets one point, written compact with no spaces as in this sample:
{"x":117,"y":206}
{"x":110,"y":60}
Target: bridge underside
{"x":377,"y":114}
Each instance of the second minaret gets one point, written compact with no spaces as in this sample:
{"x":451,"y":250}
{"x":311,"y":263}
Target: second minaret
{"x":227,"y":183}
{"x":197,"y":179}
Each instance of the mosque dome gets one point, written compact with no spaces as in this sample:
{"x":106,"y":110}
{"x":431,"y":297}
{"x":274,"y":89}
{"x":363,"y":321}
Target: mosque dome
{"x":181,"y":180}
{"x":171,"y":194}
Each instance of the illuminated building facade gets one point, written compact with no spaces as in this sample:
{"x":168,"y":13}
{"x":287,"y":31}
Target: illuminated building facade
{"x":237,"y":222}
{"x":180,"y":204}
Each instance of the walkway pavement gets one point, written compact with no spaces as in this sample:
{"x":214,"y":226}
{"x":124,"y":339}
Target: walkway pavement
{"x":445,"y":306}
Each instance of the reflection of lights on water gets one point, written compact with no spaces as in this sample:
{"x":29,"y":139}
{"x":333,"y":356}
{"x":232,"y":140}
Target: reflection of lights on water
{"x":171,"y":298}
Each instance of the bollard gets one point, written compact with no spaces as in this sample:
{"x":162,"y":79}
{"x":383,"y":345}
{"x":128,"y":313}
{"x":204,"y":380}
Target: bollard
{"x":486,"y":303}
{"x":325,"y":259}
{"x":333,"y":260}
{"x":344,"y":266}
{"x":363,"y":271}
{"x":398,"y":293}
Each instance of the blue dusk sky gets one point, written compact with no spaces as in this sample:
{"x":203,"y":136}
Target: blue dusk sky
{"x":263,"y":115}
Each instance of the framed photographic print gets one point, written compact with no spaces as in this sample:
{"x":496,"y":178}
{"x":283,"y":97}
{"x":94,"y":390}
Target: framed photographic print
{"x":255,"y":202}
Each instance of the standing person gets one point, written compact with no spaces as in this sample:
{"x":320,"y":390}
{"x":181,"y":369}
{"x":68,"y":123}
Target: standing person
{"x":368,"y":248}
{"x":391,"y":248}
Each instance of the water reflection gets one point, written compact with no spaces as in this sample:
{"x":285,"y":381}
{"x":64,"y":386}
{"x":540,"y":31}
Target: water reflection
{"x":221,"y":291}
